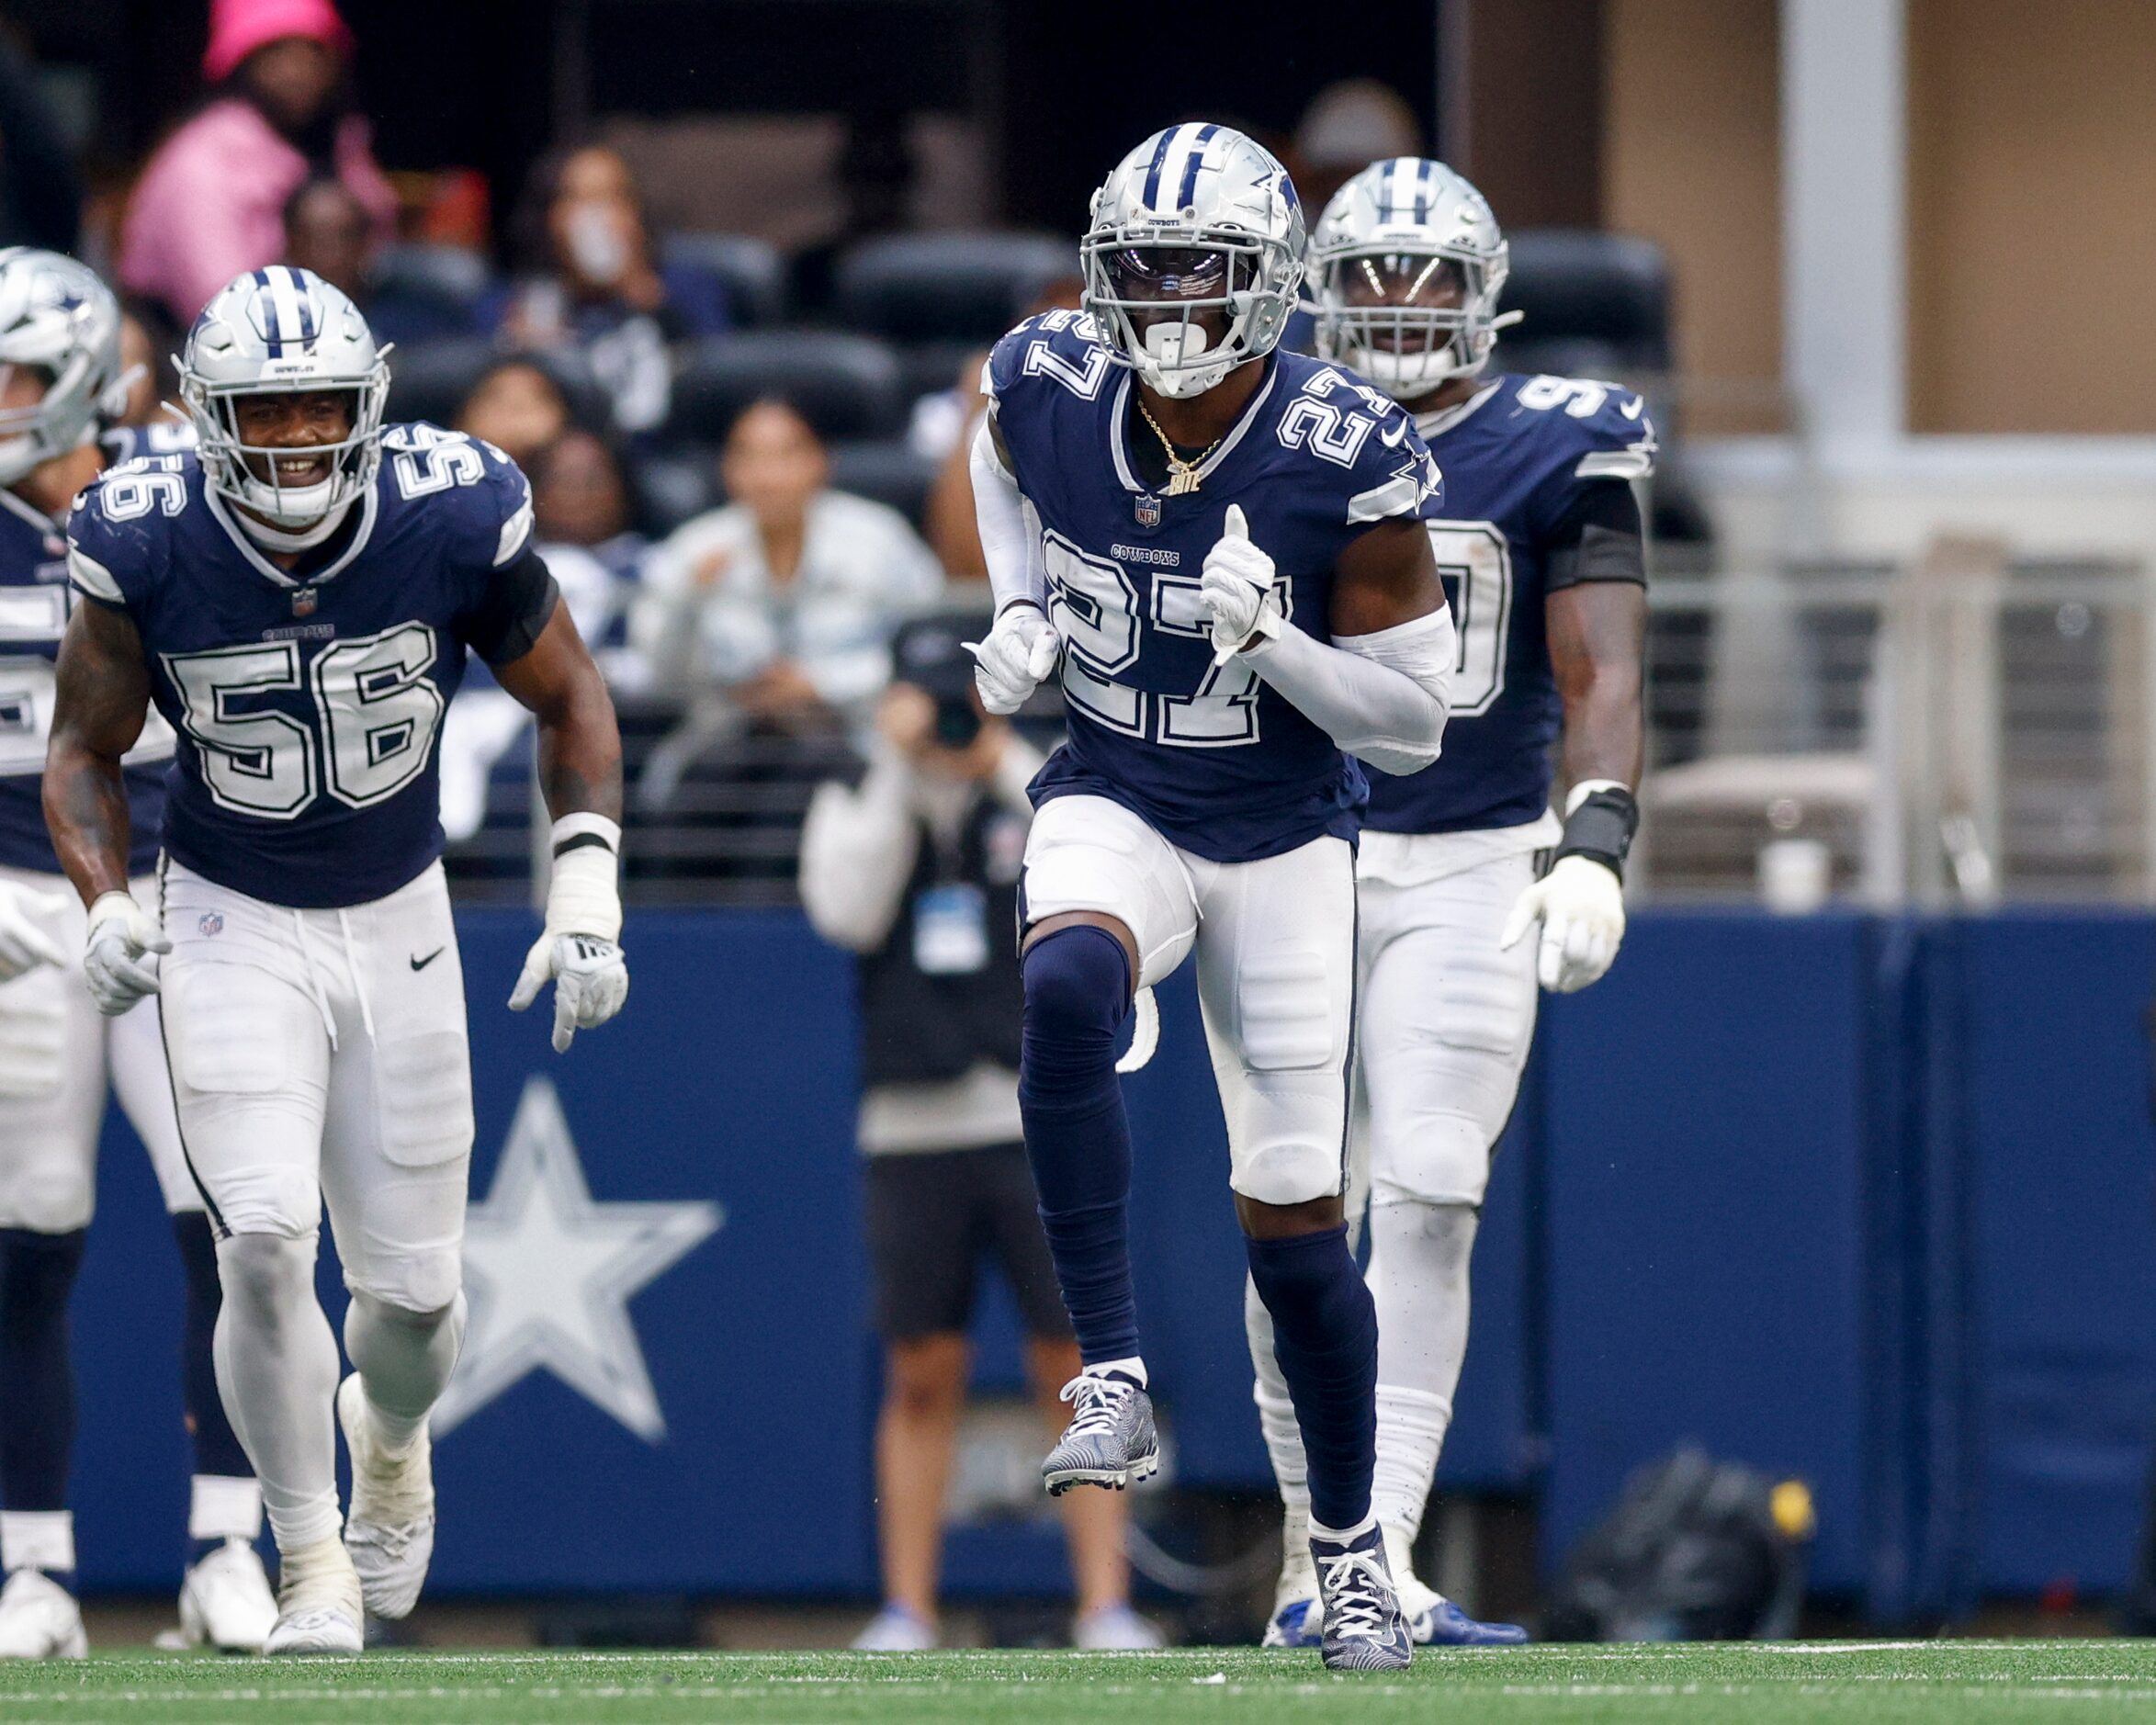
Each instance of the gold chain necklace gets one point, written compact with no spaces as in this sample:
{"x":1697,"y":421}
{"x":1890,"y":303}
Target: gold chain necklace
{"x":1182,"y":476}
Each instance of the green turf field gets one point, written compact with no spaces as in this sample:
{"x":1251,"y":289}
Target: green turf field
{"x":1885,"y":1681}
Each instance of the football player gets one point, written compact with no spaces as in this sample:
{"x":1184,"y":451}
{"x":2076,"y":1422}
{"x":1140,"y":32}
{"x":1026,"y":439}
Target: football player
{"x":62,"y":381}
{"x":1223,"y":546}
{"x":296,"y":598}
{"x":1542,"y":544}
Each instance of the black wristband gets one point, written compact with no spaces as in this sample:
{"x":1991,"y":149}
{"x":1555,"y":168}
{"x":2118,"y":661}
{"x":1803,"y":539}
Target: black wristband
{"x":1602,"y":828}
{"x":578,"y":841}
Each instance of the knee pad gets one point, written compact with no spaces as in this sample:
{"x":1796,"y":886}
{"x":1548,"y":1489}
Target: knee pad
{"x":1430,"y":1157}
{"x":267,"y":1276}
{"x":415,"y":1286}
{"x":1288,"y":1141}
{"x":1077,"y":990}
{"x":269,"y":1199}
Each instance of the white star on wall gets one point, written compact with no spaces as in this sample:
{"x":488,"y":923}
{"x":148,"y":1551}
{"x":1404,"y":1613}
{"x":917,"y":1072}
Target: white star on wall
{"x":550,"y":1274}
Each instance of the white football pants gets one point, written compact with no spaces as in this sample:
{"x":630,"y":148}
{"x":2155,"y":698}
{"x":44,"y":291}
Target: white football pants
{"x":1444,"y":1021}
{"x":1275,"y":941}
{"x":58,"y":1057}
{"x":320,"y":1055}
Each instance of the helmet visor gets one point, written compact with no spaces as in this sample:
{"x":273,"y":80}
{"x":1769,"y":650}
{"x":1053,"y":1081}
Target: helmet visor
{"x":1399,"y":302}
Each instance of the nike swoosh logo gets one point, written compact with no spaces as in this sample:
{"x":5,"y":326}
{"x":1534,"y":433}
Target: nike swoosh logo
{"x":421,"y":963}
{"x":1391,"y":439}
{"x":1633,"y":408}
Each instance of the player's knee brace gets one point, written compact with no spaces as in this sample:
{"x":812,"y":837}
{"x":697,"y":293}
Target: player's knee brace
{"x":1077,"y":990}
{"x":1435,"y":1157}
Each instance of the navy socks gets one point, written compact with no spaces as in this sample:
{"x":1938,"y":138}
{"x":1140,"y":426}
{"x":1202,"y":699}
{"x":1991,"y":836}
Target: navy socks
{"x":1077,"y":989}
{"x":37,"y":1377}
{"x":1324,"y":1336}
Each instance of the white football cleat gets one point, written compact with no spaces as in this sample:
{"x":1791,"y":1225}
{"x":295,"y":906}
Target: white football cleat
{"x":39,"y":1619}
{"x":894,"y":1630}
{"x":1296,"y":1613}
{"x":1114,"y":1629}
{"x":391,"y":1529}
{"x":226,"y":1601}
{"x":318,"y":1602}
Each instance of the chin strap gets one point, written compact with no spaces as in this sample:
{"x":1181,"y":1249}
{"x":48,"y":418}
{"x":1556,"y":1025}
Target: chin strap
{"x":276,"y":539}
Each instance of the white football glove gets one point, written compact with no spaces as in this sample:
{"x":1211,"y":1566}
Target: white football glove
{"x":1580,"y":904}
{"x":1016,"y":657}
{"x":118,"y":960}
{"x":1236,"y":588}
{"x":578,"y":951}
{"x":24,"y":941}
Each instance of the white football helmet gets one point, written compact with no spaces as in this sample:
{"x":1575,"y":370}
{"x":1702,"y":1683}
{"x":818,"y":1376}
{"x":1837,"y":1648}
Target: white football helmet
{"x":1198,"y":218}
{"x":57,"y":319}
{"x":283,"y":330}
{"x":1407,"y":264}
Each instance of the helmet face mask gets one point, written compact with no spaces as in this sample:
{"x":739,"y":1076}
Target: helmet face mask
{"x":1408,"y":264}
{"x":1185,"y":294}
{"x":285,"y":334}
{"x":60,"y":329}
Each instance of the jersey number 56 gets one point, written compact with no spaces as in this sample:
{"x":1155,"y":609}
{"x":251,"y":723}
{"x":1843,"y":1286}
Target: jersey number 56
{"x":376,"y":713}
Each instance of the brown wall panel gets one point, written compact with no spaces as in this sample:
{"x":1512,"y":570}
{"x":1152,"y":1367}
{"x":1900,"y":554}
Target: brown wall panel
{"x":1533,"y":125}
{"x":2032,"y":215}
{"x":1691,"y":157}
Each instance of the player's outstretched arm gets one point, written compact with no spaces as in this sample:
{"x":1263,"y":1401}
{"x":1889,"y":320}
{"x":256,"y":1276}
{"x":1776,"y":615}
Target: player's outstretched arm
{"x":1597,"y":632}
{"x":1381,"y":689}
{"x":580,"y":774}
{"x":103,"y":698}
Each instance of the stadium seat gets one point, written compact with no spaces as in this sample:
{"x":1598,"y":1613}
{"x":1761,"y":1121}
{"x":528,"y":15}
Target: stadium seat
{"x":1576,"y":284}
{"x":430,"y":379}
{"x":917,"y":287}
{"x":754,"y":275}
{"x":675,"y":484}
{"x":847,"y":386}
{"x":888,"y":471}
{"x":451,"y":276}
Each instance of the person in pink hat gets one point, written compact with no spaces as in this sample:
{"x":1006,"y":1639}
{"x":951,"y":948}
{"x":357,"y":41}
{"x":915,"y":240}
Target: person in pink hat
{"x":210,"y":203}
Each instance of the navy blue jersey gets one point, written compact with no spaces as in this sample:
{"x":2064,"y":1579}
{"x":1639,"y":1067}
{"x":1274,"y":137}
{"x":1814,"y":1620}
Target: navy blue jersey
{"x":34,"y":603}
{"x":1516,"y":456}
{"x":309,"y":706}
{"x":1212,"y":756}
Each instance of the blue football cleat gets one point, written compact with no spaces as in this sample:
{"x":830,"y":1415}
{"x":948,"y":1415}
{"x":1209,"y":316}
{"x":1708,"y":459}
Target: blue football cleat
{"x":1444,"y":1624}
{"x":1293,"y":1624}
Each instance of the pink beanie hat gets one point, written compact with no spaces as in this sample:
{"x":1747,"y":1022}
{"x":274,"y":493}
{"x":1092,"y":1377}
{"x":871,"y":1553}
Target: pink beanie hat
{"x":237,"y":27}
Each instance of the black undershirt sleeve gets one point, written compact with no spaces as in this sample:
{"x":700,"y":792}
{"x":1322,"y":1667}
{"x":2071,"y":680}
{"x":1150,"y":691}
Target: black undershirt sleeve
{"x":1600,"y":538}
{"x":518,"y":603}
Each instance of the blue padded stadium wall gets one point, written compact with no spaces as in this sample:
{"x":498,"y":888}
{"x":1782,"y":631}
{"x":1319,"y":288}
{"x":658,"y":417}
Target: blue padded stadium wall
{"x":1861,"y":1201}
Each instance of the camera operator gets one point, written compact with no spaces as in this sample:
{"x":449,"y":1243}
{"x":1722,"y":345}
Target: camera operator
{"x":916,"y":870}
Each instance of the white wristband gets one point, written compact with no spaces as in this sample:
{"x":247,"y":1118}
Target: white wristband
{"x":107,"y":906}
{"x":584,"y":896}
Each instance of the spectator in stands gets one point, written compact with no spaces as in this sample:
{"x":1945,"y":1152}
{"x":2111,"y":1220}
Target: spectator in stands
{"x":517,"y":406}
{"x":329,"y":231}
{"x":1348,"y":125}
{"x":943,"y":428}
{"x":592,"y":279}
{"x":211,"y":202}
{"x":580,"y":526}
{"x":785,"y":599}
{"x":916,"y":870}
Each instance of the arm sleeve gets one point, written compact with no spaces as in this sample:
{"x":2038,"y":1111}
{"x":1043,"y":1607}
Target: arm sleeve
{"x":514,"y":609}
{"x":1010,"y":546}
{"x":857,"y":850}
{"x":1598,"y":536}
{"x":1382,"y":698}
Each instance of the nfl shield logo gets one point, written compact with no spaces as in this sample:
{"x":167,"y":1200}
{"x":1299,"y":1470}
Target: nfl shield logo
{"x":304,"y":601}
{"x":1148,"y":508}
{"x":212,"y":923}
